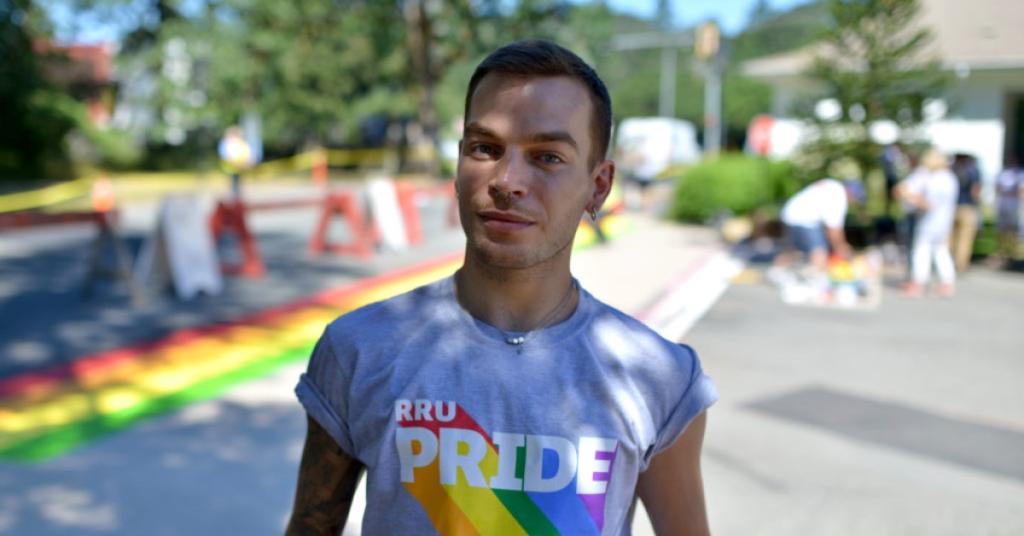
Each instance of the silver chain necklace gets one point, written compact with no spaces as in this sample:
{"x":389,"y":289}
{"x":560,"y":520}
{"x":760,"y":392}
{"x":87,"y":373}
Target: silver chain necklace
{"x":520,"y":340}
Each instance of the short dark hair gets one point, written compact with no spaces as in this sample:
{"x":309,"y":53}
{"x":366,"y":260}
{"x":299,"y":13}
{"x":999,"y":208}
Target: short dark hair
{"x":535,"y":58}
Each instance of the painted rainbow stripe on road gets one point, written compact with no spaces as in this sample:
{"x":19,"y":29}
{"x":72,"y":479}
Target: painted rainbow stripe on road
{"x":45,"y":414}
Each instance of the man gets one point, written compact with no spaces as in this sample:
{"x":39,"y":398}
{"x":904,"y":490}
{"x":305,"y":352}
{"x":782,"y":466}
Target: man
{"x":814,"y":220}
{"x":1009,"y":189}
{"x":965,"y":222}
{"x":236,"y":156}
{"x":894,"y":165}
{"x":506,"y":399}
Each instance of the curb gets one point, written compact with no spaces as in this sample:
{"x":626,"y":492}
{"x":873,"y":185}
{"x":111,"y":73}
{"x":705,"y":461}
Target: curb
{"x":687,"y":297}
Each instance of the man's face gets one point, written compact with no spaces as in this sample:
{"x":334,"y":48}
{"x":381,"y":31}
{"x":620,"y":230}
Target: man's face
{"x":524,"y":175}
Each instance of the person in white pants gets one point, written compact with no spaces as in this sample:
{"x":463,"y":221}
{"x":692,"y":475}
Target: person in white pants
{"x":933,"y":189}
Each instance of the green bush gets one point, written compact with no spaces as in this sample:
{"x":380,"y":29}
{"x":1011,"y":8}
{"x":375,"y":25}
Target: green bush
{"x":108,"y":148}
{"x":734,"y":183}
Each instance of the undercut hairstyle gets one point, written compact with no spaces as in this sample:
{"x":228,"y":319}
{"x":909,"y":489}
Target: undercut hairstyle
{"x":538,"y":58}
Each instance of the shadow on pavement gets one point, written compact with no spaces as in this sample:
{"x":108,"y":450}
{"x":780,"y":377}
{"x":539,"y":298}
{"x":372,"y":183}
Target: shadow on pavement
{"x":220,"y":467}
{"x":47,"y":321}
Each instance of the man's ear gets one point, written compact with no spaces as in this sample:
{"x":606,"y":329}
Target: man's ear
{"x":603,"y":176}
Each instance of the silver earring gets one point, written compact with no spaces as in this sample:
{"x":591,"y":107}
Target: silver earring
{"x":593,"y":215}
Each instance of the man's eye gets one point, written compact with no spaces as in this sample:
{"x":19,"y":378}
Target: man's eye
{"x":550,"y":158}
{"x":483,"y":149}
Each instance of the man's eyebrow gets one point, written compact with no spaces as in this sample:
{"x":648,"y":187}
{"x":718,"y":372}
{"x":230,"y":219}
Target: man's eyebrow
{"x":554,"y":136}
{"x":476,"y":129}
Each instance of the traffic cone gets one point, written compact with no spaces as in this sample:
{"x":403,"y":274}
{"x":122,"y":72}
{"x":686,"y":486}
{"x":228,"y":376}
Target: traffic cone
{"x":103,"y":195}
{"x":320,"y":167}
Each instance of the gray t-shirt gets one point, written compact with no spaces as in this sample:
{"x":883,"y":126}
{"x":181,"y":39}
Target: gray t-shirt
{"x":462,"y":433}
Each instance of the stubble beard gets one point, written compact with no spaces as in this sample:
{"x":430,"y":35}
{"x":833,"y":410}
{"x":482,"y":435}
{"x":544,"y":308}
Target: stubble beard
{"x":505,"y":257}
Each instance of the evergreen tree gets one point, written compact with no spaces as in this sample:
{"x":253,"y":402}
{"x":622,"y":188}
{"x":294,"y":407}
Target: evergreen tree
{"x":34,"y":121}
{"x":874,"y":64}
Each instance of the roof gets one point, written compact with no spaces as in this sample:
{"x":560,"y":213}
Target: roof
{"x":979,"y":34}
{"x":77,"y":63}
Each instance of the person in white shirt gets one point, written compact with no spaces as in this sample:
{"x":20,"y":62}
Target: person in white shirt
{"x":814,"y":220}
{"x":932,"y":190}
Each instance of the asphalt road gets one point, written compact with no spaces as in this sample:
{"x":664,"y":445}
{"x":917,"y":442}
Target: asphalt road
{"x":905,"y":420}
{"x":47,"y":321}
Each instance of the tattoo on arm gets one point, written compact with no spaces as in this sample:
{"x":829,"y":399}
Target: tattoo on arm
{"x":327,"y":484}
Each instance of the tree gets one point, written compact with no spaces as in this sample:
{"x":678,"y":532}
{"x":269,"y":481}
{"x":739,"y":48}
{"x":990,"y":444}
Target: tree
{"x":443,"y":37}
{"x":312,"y":70}
{"x":33,"y":118}
{"x":874,"y":64}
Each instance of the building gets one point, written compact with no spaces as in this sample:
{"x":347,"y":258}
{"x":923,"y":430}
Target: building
{"x":981,"y":42}
{"x":84,"y":71}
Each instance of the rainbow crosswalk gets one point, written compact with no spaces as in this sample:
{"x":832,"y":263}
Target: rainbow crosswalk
{"x":45,"y":414}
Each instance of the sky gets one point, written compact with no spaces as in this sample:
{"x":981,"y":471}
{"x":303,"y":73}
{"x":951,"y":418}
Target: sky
{"x":731,"y":15}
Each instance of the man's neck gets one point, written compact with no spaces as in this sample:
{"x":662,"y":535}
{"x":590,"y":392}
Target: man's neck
{"x":516,"y":299}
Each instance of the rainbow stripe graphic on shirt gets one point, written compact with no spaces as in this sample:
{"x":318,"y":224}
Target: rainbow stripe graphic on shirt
{"x":470,"y":482}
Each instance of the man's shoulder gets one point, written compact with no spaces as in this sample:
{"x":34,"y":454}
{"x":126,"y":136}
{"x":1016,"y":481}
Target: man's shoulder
{"x":383,"y":318}
{"x":834,"y":188}
{"x":628,"y":336}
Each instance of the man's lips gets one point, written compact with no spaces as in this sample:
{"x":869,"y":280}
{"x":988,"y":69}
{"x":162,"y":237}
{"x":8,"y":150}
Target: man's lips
{"x":500,"y":220}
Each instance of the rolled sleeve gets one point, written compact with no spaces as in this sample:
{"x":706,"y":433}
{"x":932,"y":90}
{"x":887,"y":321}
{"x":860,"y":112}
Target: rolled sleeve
{"x":322,"y":390}
{"x":699,"y":395}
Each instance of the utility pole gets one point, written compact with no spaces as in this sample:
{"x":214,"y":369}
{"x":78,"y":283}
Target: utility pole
{"x":708,"y":50}
{"x":667,"y":90}
{"x":669,"y":57}
{"x":669,"y":43}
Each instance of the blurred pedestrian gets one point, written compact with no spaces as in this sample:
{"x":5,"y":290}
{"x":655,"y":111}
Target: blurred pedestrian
{"x":894,"y":168}
{"x":814,"y":221}
{"x":235,"y":156}
{"x":1009,"y":188}
{"x":908,"y":221}
{"x":932,"y":190}
{"x":505,"y":397}
{"x":965,"y":223}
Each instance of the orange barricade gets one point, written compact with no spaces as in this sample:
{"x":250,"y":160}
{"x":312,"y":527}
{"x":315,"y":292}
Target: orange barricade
{"x":106,"y":239}
{"x":448,"y":190}
{"x":103,"y":195}
{"x":230,"y":217}
{"x":319,"y":169}
{"x":364,"y":234}
{"x":407,"y":194}
{"x":35,"y":218}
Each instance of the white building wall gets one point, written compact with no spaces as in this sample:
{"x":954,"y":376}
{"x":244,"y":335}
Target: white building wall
{"x":979,"y":137}
{"x":974,"y":123}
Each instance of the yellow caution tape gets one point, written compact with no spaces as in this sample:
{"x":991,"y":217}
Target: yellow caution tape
{"x":67,"y":191}
{"x":50,"y":195}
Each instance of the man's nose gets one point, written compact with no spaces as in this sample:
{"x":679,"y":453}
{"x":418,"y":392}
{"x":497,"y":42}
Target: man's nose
{"x":511,"y":177}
